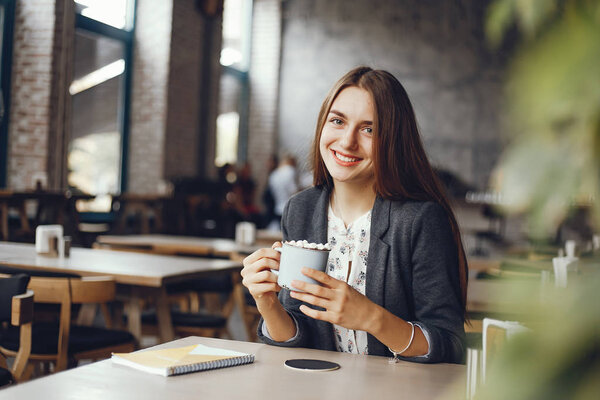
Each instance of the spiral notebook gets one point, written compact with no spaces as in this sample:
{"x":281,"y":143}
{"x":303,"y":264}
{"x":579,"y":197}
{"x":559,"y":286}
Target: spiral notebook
{"x":182,"y":360}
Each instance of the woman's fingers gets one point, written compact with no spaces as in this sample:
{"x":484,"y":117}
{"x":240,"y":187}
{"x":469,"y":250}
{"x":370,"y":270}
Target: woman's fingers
{"x":262,"y":253}
{"x":259,"y":289}
{"x":316,"y":314}
{"x":311,"y":299}
{"x":260,"y":265}
{"x":316,"y":290}
{"x":262,"y":276}
{"x":321,"y":277}
{"x":257,"y":275}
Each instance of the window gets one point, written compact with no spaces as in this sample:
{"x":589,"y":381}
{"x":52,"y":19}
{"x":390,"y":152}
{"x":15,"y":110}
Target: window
{"x":116,"y":13}
{"x":232,"y":121}
{"x":7,"y":15}
{"x":96,"y":154}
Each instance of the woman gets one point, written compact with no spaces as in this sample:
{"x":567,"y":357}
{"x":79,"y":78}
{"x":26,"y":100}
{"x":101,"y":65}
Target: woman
{"x":396,"y":277}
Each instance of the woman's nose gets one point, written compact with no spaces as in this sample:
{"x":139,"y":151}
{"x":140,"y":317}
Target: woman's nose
{"x":349,"y":139}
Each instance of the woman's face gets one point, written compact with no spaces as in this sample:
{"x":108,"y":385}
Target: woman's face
{"x":347,"y":135}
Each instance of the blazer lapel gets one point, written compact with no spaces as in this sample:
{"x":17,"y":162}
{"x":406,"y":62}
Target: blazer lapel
{"x":319,"y":219}
{"x":378,"y":252}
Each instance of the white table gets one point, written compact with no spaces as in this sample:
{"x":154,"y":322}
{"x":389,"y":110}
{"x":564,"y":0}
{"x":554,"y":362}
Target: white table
{"x":140,"y":274}
{"x":174,"y":245}
{"x":360,"y":377}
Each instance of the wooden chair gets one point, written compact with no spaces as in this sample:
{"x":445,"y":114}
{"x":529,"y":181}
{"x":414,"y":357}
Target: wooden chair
{"x":63,"y":343}
{"x":245,"y":303}
{"x":248,"y":311}
{"x":211,"y":322}
{"x":16,"y":304}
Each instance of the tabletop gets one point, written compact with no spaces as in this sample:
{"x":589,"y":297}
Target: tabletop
{"x":494,"y":295}
{"x":171,"y":244}
{"x":360,"y":377}
{"x":126,"y":268}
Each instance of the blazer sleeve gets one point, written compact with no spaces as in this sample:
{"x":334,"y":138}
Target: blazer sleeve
{"x":436,"y":285}
{"x":303,"y":337}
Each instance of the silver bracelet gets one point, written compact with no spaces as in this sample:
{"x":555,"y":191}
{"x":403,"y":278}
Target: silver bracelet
{"x":395,"y":359}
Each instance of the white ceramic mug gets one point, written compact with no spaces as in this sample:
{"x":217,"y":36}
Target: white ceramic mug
{"x":293,"y":259}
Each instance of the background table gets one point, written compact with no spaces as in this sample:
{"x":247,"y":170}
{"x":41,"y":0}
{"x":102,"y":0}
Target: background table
{"x":360,"y":377}
{"x":141,"y":275}
{"x":174,"y":245}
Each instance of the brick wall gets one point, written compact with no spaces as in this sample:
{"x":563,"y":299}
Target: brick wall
{"x":149,"y":95}
{"x":436,"y":49}
{"x":30,"y":94}
{"x":174,"y":45}
{"x":182,"y":128}
{"x":264,"y":87}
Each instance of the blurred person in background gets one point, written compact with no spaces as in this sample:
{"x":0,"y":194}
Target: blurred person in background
{"x":283,"y":184}
{"x":267,"y":196}
{"x":245,"y":191}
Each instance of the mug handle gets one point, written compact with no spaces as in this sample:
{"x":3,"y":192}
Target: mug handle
{"x":279,"y":250}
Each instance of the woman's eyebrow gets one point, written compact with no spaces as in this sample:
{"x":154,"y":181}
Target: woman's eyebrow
{"x":338,"y":113}
{"x":341,"y":114}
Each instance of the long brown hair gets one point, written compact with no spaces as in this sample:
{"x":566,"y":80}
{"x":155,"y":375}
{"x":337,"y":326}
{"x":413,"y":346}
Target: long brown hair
{"x":402,"y":170}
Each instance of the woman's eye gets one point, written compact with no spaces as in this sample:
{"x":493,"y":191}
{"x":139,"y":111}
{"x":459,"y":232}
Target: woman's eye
{"x":336,"y":121}
{"x":368,"y":130}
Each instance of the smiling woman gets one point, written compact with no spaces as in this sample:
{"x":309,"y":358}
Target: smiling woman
{"x":346,"y":138}
{"x":396,"y":276}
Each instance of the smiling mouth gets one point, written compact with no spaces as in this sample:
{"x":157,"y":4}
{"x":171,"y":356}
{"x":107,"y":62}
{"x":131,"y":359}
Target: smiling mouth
{"x":345,"y":159}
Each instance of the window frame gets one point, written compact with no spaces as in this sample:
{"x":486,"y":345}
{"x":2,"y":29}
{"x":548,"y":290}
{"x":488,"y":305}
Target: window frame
{"x":5,"y":83}
{"x":125,"y":36}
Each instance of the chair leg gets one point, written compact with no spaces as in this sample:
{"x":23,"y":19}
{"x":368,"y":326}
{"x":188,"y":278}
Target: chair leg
{"x":28,"y":372}
{"x":212,"y":303}
{"x":117,"y":322}
{"x":24,"y":352}
{"x":194,"y":302}
{"x":62,"y":363}
{"x":106,"y":315}
{"x":86,"y":314}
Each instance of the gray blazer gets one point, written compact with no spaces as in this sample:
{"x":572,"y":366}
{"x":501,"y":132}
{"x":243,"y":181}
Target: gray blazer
{"x":411,"y":271}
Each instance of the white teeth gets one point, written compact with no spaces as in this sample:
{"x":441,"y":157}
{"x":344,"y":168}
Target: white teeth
{"x":344,"y":158}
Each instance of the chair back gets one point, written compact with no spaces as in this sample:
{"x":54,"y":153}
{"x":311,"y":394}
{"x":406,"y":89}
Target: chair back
{"x":10,"y":286}
{"x":494,"y":335}
{"x":16,"y":306}
{"x":68,"y":291}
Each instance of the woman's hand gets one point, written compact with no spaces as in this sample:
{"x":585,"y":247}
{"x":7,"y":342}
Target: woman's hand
{"x":343,"y":305}
{"x":262,"y":284}
{"x":257,"y":275}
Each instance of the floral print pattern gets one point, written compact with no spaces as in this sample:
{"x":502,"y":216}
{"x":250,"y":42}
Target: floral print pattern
{"x":348,"y":262}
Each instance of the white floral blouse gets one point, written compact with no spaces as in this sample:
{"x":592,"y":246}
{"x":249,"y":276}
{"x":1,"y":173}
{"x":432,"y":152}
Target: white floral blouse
{"x":349,"y":244}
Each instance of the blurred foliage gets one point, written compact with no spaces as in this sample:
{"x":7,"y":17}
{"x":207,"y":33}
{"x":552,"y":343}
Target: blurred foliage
{"x":560,"y":359}
{"x":551,"y":164}
{"x":553,"y":102}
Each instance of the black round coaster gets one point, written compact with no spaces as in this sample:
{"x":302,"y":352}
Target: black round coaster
{"x":311,"y":365}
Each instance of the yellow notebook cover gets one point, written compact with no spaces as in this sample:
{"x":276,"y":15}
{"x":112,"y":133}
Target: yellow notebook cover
{"x":182,"y":360}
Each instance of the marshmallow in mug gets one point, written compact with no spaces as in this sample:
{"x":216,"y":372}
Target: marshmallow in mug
{"x":306,"y":245}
